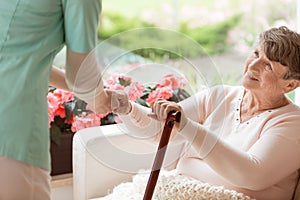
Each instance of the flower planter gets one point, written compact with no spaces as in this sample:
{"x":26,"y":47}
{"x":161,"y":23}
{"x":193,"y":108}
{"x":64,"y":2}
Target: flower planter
{"x":61,"y":154}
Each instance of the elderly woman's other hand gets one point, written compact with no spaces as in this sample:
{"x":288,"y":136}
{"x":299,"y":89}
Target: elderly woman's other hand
{"x":120,"y":103}
{"x":110,"y":101}
{"x":161,"y":108}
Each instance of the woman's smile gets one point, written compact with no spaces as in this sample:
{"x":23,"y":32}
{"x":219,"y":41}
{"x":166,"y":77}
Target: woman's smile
{"x":251,"y":77}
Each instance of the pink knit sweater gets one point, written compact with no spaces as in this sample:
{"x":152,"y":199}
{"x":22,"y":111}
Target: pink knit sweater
{"x":259,"y":157}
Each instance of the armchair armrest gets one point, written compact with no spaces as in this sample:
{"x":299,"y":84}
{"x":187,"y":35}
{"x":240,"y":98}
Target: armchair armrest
{"x":104,"y":156}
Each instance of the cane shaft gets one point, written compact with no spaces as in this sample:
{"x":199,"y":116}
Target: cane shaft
{"x":160,"y":154}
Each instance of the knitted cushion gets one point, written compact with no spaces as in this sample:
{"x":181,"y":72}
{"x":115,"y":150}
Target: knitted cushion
{"x":171,"y":186}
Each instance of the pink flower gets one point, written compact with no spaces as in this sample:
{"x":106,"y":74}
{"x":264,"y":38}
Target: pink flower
{"x":159,"y":92}
{"x":134,"y":91}
{"x":62,"y":96}
{"x":60,"y":111}
{"x":172,"y":81}
{"x":56,"y":101}
{"x":116,"y":80}
{"x":87,"y":120}
{"x":125,"y":78}
{"x":53,"y":102}
{"x":116,"y":87}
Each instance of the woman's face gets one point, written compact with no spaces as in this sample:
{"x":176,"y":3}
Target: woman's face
{"x":262,"y":75}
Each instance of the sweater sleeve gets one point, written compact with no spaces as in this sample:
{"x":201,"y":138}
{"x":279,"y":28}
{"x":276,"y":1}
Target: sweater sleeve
{"x":138,"y":124}
{"x":274,"y":155}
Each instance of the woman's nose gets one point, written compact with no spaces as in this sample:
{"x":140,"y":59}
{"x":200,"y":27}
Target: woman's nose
{"x":255,"y":64}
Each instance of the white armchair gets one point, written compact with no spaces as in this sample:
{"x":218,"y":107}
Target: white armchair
{"x":104,"y":157}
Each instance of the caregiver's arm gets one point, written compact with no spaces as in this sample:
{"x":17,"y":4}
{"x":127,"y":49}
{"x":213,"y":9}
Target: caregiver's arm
{"x":83,"y":76}
{"x":57,"y":78}
{"x":86,"y":82}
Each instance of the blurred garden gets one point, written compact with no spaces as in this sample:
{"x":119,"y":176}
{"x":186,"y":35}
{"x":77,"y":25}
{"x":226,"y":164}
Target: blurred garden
{"x":226,"y":29}
{"x":217,"y":25}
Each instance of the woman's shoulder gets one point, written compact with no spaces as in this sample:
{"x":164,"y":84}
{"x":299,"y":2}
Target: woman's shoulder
{"x":285,"y":121}
{"x":290,"y":109}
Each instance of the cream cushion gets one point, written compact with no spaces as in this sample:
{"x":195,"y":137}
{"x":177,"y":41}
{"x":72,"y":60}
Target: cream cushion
{"x":172,"y":186}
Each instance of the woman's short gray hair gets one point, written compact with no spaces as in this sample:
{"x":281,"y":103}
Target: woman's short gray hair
{"x":283,"y":45}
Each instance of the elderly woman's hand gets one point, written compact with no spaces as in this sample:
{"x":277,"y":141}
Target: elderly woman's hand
{"x":161,"y":108}
{"x":110,"y":101}
{"x":120,"y":103}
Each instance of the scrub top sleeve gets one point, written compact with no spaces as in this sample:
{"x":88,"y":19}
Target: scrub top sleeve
{"x":81,"y":20}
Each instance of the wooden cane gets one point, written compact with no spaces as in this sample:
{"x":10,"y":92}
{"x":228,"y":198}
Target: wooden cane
{"x":173,"y":116}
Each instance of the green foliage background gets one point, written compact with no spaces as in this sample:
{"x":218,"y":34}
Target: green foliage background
{"x":212,"y":38}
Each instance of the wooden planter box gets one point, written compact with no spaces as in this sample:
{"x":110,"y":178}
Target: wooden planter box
{"x":61,"y":155}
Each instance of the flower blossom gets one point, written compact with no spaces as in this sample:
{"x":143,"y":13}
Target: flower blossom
{"x":134,"y":91}
{"x":62,"y":96}
{"x":53,"y":102}
{"x":56,"y":100}
{"x":160,"y":92}
{"x":170,"y":80}
{"x":115,"y":81}
{"x":86,"y":120}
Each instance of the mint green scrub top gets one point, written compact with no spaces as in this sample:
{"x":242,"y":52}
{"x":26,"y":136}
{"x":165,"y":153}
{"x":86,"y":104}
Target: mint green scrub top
{"x":32,"y":32}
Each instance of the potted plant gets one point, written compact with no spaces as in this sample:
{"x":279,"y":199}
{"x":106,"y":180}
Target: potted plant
{"x":66,"y":115}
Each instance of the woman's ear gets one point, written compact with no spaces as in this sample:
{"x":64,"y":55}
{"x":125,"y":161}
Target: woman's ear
{"x":291,"y":85}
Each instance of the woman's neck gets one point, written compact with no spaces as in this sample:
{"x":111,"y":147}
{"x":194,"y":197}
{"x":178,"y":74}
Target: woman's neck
{"x":253,"y":104}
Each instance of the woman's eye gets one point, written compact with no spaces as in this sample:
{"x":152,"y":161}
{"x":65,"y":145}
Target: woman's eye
{"x":268,"y":66}
{"x":255,"y":54}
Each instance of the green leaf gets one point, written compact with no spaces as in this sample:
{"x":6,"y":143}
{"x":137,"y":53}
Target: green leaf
{"x":142,"y":102}
{"x":124,"y":82}
{"x":109,"y":119}
{"x":80,"y":106}
{"x":69,"y":108}
{"x":51,"y":89}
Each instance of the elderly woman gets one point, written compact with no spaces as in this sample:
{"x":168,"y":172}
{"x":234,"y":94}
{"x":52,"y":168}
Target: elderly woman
{"x":245,"y":138}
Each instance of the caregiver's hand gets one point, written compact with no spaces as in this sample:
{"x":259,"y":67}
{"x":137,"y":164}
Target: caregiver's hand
{"x":100,"y":103}
{"x":161,"y":108}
